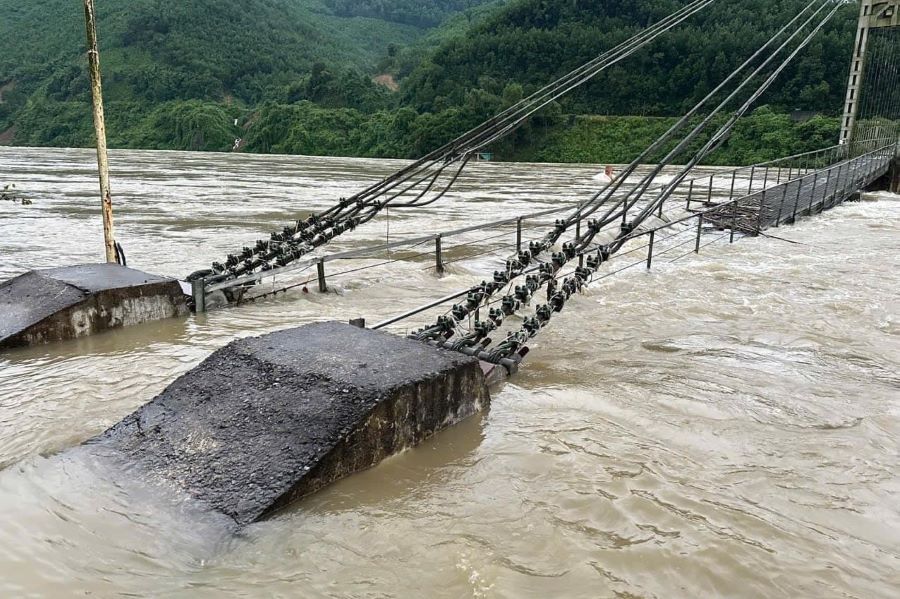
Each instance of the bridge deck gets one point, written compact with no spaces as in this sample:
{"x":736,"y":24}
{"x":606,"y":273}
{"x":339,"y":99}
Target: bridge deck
{"x":805,"y":195}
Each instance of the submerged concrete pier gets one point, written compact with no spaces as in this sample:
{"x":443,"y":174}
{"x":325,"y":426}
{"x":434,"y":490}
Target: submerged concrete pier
{"x":894,"y":175}
{"x":267,"y":420}
{"x":42,"y":306}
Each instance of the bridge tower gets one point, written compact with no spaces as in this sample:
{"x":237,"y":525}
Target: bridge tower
{"x":873,"y":15}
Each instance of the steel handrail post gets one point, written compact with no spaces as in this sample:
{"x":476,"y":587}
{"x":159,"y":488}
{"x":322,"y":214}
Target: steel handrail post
{"x":699,"y":233}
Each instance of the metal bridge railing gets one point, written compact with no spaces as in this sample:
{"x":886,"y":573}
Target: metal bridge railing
{"x":817,"y":191}
{"x":514,"y":227}
{"x":438,"y":243}
{"x":706,"y":195}
{"x":743,"y":181}
{"x":747,"y":214}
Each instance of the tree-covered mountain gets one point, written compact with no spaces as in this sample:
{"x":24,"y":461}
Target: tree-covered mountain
{"x":297,"y":76}
{"x":209,"y":46}
{"x":155,"y":51}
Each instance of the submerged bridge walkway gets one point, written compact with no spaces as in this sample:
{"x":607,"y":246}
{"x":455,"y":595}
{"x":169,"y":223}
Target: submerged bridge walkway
{"x":364,"y":394}
{"x":807,"y":193}
{"x":747,"y":199}
{"x":655,"y":201}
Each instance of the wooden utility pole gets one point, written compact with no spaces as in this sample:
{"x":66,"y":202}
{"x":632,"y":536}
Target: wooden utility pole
{"x":90,"y":18}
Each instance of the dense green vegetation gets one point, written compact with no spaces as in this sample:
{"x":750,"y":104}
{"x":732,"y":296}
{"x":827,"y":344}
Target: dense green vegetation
{"x":160,"y":50}
{"x":531,"y":42}
{"x":296,"y":76}
{"x":764,"y":135}
{"x":412,"y":12}
{"x":154,"y":51}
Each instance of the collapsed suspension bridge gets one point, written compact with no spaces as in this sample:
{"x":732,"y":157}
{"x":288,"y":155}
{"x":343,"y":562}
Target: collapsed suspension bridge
{"x":265,"y":421}
{"x":639,"y":209}
{"x":322,"y":401}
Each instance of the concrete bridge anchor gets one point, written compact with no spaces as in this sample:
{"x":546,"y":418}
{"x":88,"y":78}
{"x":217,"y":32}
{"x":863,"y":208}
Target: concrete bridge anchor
{"x":57,"y":304}
{"x":265,"y":421}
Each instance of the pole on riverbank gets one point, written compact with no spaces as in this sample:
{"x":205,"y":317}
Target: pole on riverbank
{"x":90,"y":19}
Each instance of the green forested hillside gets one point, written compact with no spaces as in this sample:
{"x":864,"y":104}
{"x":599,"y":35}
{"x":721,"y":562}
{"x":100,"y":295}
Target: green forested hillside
{"x":157,"y":51}
{"x":297,"y":75}
{"x":412,"y":12}
{"x":191,"y":48}
{"x":530,"y":42}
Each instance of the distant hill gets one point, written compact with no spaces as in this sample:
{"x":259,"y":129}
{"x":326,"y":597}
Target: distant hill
{"x":321,"y":76}
{"x":157,"y":50}
{"x":193,"y":48}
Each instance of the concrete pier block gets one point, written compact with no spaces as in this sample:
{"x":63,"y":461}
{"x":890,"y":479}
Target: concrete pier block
{"x":268,"y":420}
{"x":42,"y":306}
{"x":890,"y":181}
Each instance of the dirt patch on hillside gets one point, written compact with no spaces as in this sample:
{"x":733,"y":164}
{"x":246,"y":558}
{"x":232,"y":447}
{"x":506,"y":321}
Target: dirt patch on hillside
{"x":387,"y":80}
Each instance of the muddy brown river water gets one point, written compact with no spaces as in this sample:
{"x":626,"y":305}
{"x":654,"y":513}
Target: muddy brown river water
{"x":726,"y":424}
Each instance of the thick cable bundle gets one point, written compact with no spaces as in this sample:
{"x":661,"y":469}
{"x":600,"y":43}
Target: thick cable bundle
{"x":803,"y":27}
{"x":422,"y":178}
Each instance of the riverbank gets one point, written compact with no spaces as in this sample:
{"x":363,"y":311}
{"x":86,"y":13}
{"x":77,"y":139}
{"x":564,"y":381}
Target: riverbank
{"x":304,"y":128}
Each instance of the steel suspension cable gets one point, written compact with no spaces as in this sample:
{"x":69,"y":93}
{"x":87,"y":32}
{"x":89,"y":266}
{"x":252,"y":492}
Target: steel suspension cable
{"x":516,"y":343}
{"x":612,"y":187}
{"x":350,"y":213}
{"x":693,"y":9}
{"x":558,"y":295}
{"x":518,"y":265}
{"x":476,"y":138}
{"x":723,"y":132}
{"x":544,"y":96}
{"x":638,"y":190}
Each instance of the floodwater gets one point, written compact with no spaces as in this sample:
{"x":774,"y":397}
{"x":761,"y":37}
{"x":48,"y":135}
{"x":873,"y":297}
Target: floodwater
{"x":726,"y":424}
